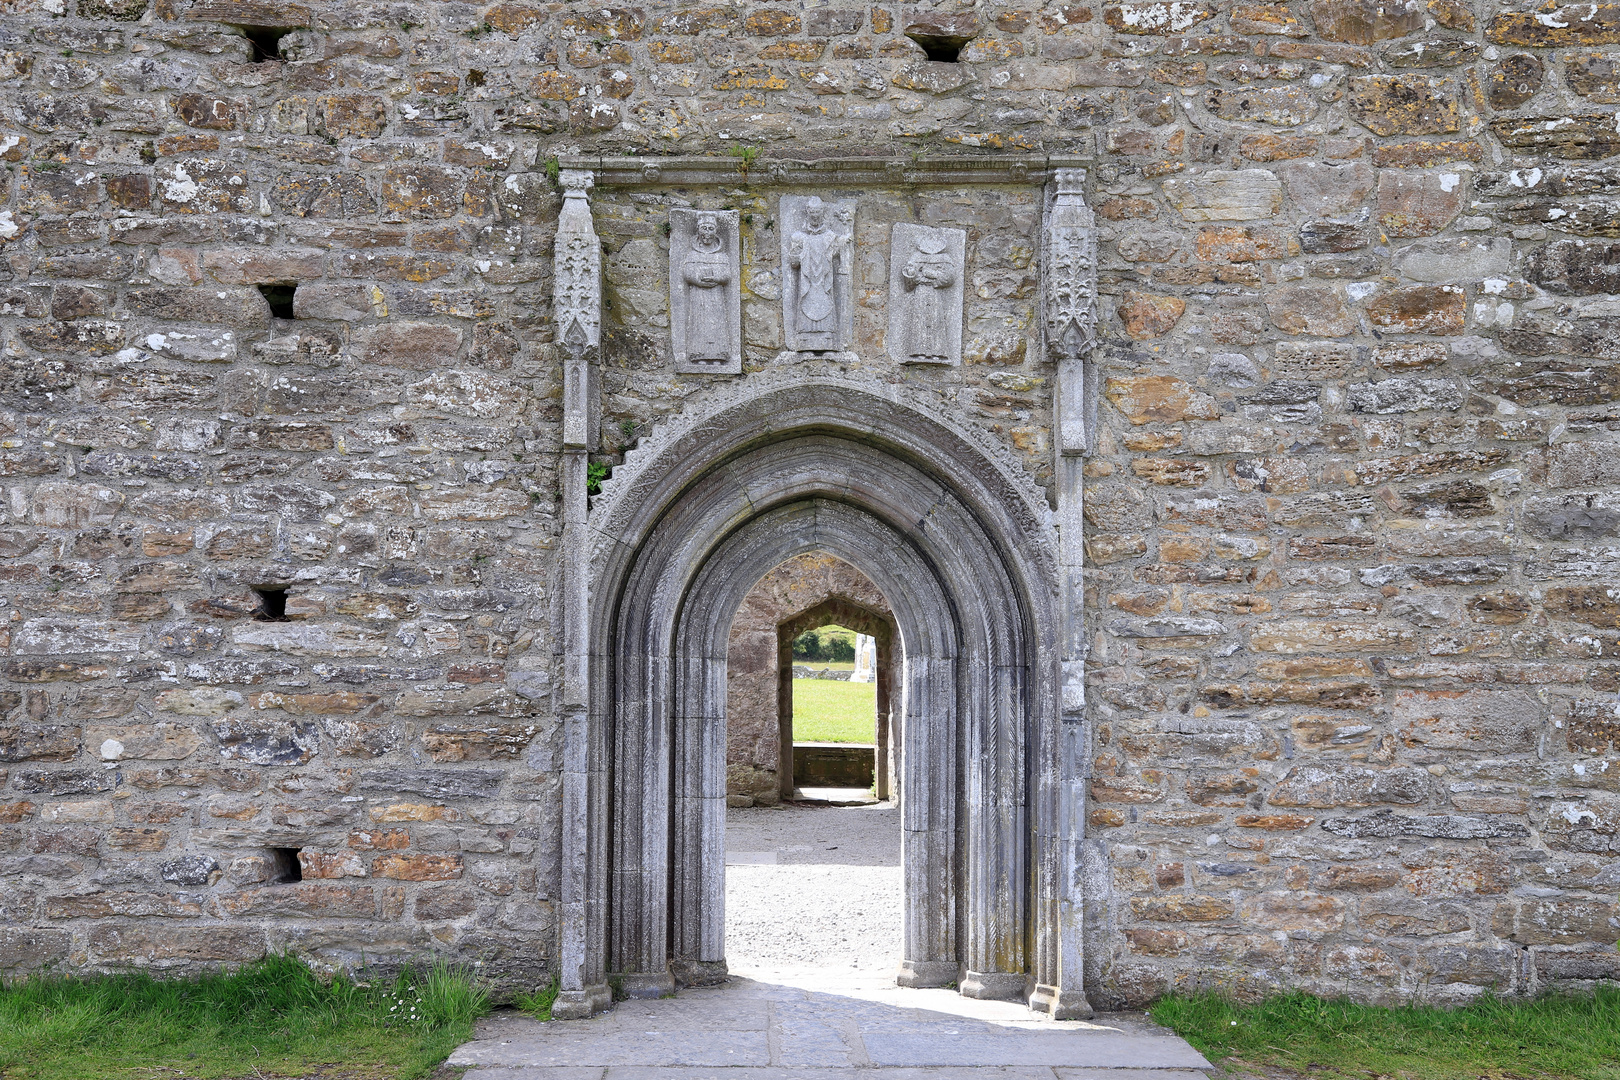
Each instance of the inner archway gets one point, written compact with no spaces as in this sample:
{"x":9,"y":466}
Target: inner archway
{"x":961,"y":545}
{"x":783,"y":608}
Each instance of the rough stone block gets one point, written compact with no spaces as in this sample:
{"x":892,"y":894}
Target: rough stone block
{"x":1219,"y":195}
{"x":418,"y":867}
{"x":1363,"y":22}
{"x":1418,"y":204}
{"x":1420,"y":309}
{"x":1590,"y":24}
{"x":1404,"y":104}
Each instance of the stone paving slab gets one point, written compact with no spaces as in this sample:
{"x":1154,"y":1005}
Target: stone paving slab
{"x":822,"y":1025}
{"x":998,"y":1072}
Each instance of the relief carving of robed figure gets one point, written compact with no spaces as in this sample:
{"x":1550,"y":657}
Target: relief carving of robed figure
{"x":704,"y":291}
{"x":925,"y":294}
{"x":816,"y":257}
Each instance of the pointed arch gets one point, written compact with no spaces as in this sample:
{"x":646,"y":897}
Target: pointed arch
{"x":958,"y":540}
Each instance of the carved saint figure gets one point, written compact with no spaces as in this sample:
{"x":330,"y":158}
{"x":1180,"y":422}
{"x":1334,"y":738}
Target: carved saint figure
{"x":707,"y":272}
{"x":819,"y":252}
{"x":929,"y":275}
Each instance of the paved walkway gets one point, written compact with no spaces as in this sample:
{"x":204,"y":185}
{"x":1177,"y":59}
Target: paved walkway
{"x":821,"y":887}
{"x":825,"y":1025}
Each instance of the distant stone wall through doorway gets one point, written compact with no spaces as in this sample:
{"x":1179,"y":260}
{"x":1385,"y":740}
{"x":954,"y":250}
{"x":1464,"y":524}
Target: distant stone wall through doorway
{"x":815,"y":587}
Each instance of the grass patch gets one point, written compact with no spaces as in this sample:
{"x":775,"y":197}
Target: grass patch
{"x":827,"y":710}
{"x":538,"y":1004}
{"x":1556,"y":1036}
{"x":270,"y":1018}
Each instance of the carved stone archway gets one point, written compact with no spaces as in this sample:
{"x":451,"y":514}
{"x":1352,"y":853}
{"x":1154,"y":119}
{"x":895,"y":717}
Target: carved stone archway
{"x":962,"y":546}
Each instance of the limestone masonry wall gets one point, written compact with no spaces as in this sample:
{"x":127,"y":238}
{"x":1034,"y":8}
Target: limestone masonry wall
{"x":1353,"y":514}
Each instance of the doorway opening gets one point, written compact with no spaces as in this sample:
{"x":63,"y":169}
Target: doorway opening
{"x":801,"y":723}
{"x":813,"y":854}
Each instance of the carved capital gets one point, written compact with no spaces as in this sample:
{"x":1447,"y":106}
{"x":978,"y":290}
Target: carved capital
{"x":1070,"y":182}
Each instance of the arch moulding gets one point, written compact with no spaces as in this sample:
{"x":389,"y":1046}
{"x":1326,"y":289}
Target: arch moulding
{"x":963,"y":545}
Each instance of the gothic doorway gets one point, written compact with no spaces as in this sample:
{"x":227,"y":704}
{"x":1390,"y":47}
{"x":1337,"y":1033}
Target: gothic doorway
{"x":963,"y":550}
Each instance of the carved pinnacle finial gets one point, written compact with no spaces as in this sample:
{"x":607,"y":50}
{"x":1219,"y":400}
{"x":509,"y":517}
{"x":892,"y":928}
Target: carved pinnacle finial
{"x":576,"y":182}
{"x":1070,"y":181}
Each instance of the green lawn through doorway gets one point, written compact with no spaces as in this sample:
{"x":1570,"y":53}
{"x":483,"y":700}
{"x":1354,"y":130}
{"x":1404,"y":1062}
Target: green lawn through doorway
{"x":827,"y":710}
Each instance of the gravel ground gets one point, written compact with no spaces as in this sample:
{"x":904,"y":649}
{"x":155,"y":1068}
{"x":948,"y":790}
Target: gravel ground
{"x":813,"y":888}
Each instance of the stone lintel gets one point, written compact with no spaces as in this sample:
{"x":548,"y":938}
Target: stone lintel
{"x":687,"y":170}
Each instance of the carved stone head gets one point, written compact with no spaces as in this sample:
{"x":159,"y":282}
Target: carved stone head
{"x":708,"y":233}
{"x":815,"y":214}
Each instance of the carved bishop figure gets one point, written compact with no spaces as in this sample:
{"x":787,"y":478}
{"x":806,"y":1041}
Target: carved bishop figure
{"x":816,"y":255}
{"x":925,"y":294}
{"x":705,"y":297}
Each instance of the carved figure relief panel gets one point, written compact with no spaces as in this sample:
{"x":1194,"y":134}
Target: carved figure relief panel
{"x":925,"y":294}
{"x":705,"y":291}
{"x":817,"y":268}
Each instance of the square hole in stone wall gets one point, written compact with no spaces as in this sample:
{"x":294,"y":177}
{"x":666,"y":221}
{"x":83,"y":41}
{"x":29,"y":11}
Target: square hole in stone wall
{"x":272,"y":603}
{"x":280,"y":299}
{"x":940,"y":48}
{"x":284,"y":865}
{"x":266,"y":41}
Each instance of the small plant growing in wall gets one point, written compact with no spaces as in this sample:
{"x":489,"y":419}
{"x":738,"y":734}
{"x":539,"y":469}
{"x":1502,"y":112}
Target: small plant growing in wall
{"x":745,"y":155}
{"x":554,"y":171}
{"x":595,"y":473}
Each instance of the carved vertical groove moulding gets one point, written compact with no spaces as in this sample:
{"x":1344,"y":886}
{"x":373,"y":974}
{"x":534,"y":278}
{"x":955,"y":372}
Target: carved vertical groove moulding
{"x":925,"y":294}
{"x":705,"y":291}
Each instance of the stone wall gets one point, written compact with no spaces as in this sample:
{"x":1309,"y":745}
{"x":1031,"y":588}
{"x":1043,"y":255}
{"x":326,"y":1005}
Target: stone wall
{"x":1352,"y":558}
{"x":753,"y":746}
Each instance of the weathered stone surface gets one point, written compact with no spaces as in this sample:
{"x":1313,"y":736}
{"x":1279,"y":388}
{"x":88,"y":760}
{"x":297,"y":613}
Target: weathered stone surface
{"x":436,"y":783}
{"x":1146,"y":316}
{"x":1146,"y":399}
{"x":1156,"y":16}
{"x":1587,"y":137}
{"x":1591,"y":24}
{"x":1387,"y":823}
{"x":1403,"y":104}
{"x":1314,"y":310}
{"x":1320,"y":788}
{"x":1363,"y":22}
{"x":1241,"y":195}
{"x":260,"y":742}
{"x":1576,"y":267}
{"x":1423,"y":309}
{"x":1418,"y":204}
{"x":1459,"y":259}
